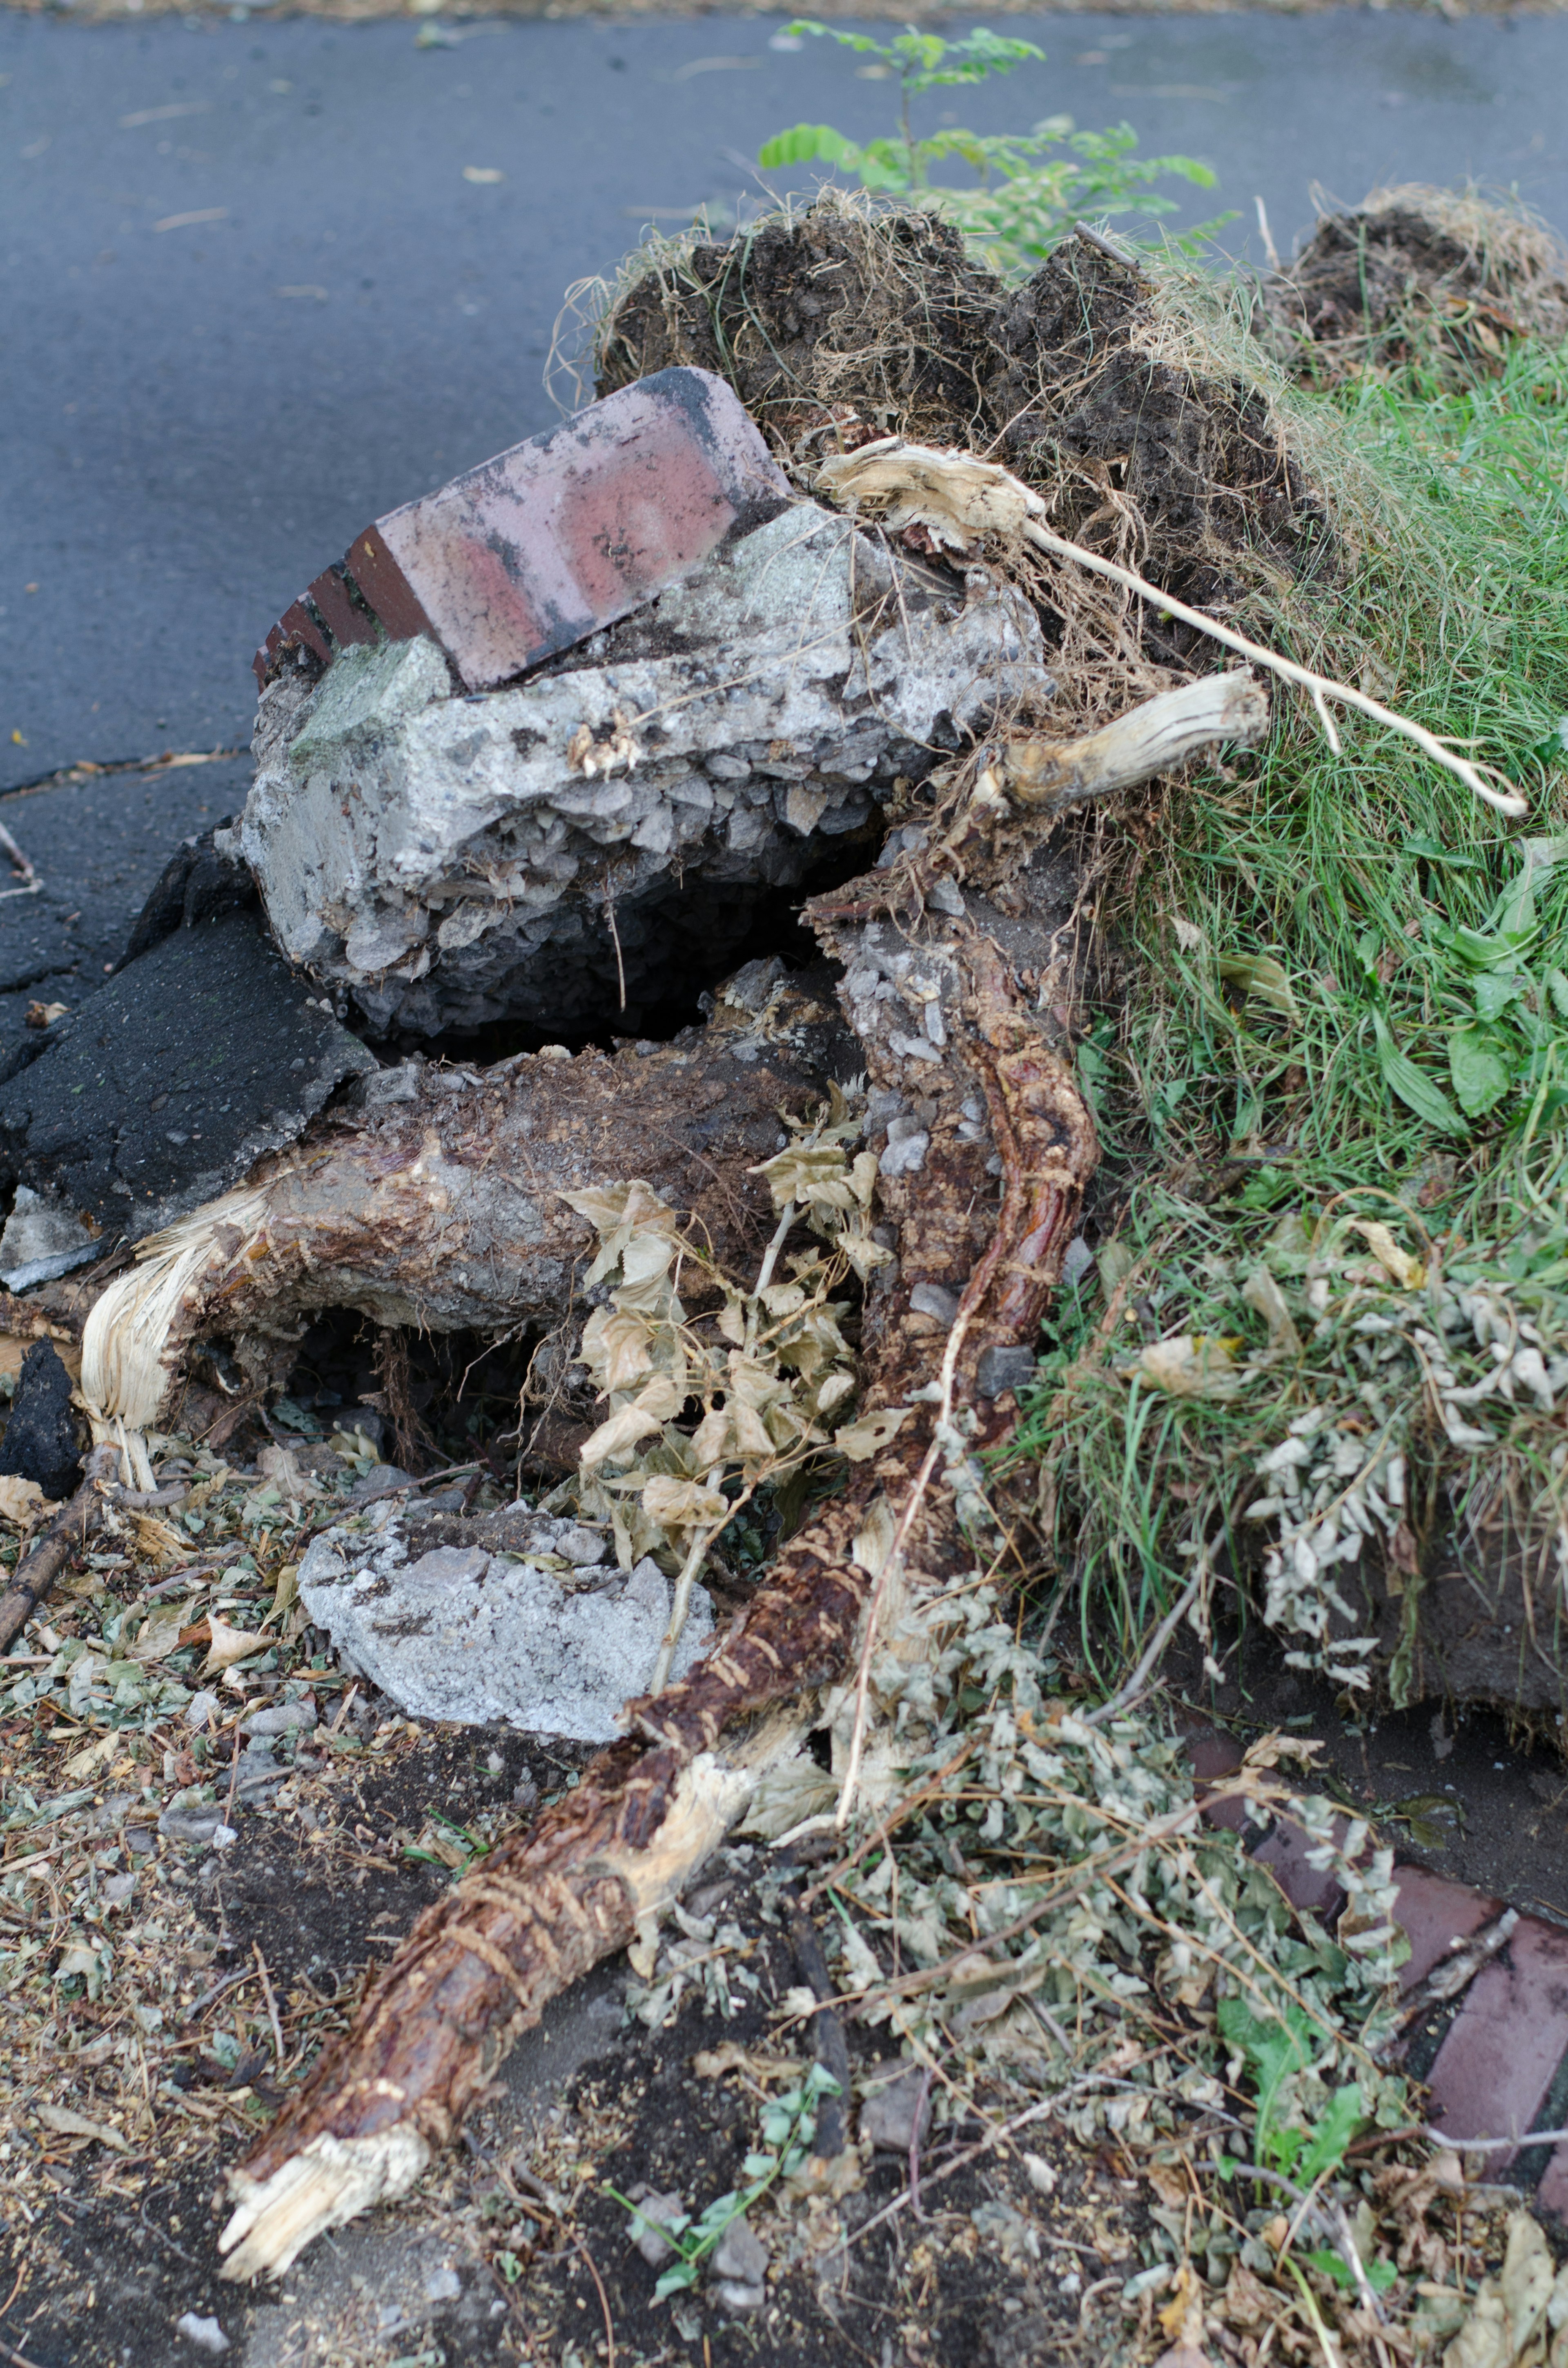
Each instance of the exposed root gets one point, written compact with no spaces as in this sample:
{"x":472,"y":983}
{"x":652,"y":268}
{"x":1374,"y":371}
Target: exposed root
{"x":482,"y":1963}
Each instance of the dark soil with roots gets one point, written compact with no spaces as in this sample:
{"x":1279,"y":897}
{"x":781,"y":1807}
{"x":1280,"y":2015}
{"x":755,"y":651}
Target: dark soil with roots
{"x":1417,"y":274}
{"x":848,"y":321}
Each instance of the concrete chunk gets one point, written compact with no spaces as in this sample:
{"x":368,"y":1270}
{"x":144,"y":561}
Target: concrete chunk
{"x":548,"y":542}
{"x":495,"y":1639}
{"x":450,"y":859}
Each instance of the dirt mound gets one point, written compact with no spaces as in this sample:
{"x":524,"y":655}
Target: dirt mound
{"x":848,"y":320}
{"x":1415,"y":273}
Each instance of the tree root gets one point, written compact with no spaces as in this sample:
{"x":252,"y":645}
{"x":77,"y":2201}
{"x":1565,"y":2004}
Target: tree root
{"x":482,"y":1963}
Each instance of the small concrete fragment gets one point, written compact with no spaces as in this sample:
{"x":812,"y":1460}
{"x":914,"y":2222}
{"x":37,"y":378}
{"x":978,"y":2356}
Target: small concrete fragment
{"x":888,"y":2115}
{"x":41,"y":1438}
{"x":169,"y":1083}
{"x":41,"y":1241}
{"x":453,"y":862}
{"x":495,"y":1639}
{"x":655,"y":2210}
{"x":559,"y":537}
{"x":741,"y":2254}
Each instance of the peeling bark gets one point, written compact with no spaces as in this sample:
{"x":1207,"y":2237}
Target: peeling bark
{"x":433,"y":1197}
{"x":482,"y":1963}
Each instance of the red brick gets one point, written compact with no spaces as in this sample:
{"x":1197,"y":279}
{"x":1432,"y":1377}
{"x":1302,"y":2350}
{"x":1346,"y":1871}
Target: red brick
{"x":1436,"y":1914}
{"x":541,"y":546}
{"x":297,"y":624}
{"x":1493,"y":2069}
{"x":347,"y":624}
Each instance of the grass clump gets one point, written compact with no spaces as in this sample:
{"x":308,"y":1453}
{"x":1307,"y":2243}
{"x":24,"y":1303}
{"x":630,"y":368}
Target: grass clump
{"x":1330,"y":1060}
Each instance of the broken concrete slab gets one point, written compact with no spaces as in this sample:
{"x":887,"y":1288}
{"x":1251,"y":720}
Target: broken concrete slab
{"x":526,"y":1636}
{"x":170,"y":1083}
{"x":538,"y":852}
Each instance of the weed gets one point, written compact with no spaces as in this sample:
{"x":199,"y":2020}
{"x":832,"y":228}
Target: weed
{"x":1028,"y":198}
{"x":788,"y":2125}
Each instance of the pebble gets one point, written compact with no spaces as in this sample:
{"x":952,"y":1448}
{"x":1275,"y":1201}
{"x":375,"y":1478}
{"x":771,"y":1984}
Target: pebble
{"x":741,"y":2255}
{"x":192,"y":1825}
{"x":200,"y":1711}
{"x":443,"y":2285}
{"x":278,"y":1718}
{"x":887,"y":2117}
{"x":206,"y":2332}
{"x":379,"y":1477}
{"x":655,"y":2249}
{"x":737,"y":2299}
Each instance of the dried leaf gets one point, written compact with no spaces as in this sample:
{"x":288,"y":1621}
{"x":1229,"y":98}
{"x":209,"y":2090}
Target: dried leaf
{"x":22,"y":1502}
{"x":68,"y":2124}
{"x":229,"y":1645}
{"x":1188,"y":1365}
{"x":683,"y":1503}
{"x":159,"y":1633}
{"x":1407,"y":1271}
{"x":867,"y":1437}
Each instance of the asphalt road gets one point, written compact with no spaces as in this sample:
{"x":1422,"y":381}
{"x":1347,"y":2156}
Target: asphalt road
{"x":254,"y":295}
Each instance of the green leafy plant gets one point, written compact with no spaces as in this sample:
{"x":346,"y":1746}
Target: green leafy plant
{"x":788,"y":2125}
{"x":1275,"y":2047}
{"x":1513,"y":1037}
{"x":1029,"y":196}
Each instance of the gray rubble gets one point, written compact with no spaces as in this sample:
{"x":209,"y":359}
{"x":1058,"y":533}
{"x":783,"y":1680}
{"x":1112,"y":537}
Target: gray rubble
{"x":531,"y":1637}
{"x":449,"y":859}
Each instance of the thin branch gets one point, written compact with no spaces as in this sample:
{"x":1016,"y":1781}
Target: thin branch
{"x":1126,"y":1695}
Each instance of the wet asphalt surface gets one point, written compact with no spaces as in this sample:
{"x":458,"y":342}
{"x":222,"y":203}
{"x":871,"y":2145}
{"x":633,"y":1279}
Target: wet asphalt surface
{"x":253,"y":298}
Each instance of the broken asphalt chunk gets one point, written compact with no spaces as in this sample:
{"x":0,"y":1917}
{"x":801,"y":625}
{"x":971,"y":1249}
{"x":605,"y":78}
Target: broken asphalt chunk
{"x":170,"y":1083}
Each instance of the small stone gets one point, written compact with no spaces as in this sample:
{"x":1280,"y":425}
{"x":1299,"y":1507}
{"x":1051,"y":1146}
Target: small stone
{"x":201,"y":1710}
{"x":279,"y":1718}
{"x":141,"y":1839}
{"x":887,"y":2117}
{"x":189,"y":1825}
{"x":738,"y":2298}
{"x":930,"y":1299}
{"x":205,"y":2333}
{"x":1000,"y":1370}
{"x":1041,"y":2177}
{"x":443,"y":2285}
{"x":655,"y":2249}
{"x":119,"y":1887}
{"x":381,"y":1476}
{"x":741,"y":2254}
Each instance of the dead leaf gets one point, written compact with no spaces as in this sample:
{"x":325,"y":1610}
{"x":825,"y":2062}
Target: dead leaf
{"x":1188,"y":1365}
{"x":68,"y":2124}
{"x":867,"y":1437}
{"x":160,"y":1632}
{"x":1264,"y":1296}
{"x":228,"y":1646}
{"x":22,"y":1502}
{"x":683,"y":1503}
{"x":1407,"y":1271}
{"x":44,"y":1014}
{"x":158,"y":1542}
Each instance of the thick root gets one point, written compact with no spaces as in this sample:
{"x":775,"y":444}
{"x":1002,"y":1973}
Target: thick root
{"x":481,"y":1964}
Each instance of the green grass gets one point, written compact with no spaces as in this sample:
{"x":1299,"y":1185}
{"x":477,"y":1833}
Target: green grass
{"x":1226,"y":1108}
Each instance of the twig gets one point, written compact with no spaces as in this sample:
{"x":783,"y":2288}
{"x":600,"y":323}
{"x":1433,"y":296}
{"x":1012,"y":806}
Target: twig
{"x":770,"y":1259}
{"x":680,"y":1603}
{"x":1108,"y":245}
{"x":1268,"y":247}
{"x":271,"y":2007}
{"x":828,"y":2042}
{"x":1127,"y":1694}
{"x":1495,"y":2145}
{"x":70,"y":1530}
{"x":230,"y":1982}
{"x":920,"y":2102}
{"x":603,"y":2298}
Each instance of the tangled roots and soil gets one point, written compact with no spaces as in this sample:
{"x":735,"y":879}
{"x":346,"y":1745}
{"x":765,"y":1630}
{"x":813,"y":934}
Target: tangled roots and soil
{"x":852,"y":320}
{"x":1417,"y":274}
